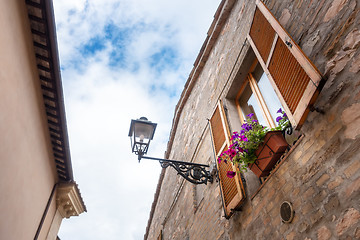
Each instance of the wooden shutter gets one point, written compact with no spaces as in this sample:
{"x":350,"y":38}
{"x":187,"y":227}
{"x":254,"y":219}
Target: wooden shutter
{"x":232,"y":189}
{"x":294,"y":78}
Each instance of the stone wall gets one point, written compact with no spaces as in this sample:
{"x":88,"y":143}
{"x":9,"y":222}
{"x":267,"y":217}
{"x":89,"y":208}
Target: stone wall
{"x":320,"y":176}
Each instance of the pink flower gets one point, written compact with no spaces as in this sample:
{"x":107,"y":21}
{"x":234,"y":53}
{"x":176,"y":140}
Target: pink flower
{"x":231,"y":153}
{"x":230,"y":174}
{"x":243,"y":138}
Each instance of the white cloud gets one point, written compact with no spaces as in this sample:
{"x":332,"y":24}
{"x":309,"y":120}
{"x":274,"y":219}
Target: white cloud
{"x":102,"y":97}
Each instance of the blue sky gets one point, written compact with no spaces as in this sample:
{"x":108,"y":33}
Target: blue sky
{"x":121,"y":60}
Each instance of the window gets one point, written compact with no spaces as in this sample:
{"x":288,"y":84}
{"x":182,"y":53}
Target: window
{"x":257,"y":96}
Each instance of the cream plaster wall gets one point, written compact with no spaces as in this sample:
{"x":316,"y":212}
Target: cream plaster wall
{"x":27,"y":172}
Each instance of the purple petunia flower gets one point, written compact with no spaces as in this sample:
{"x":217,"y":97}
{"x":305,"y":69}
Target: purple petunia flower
{"x":279,"y":111}
{"x":246,"y":127}
{"x":230,"y":174}
{"x":278,"y":119}
{"x":235,"y":135}
{"x":284,"y":115}
{"x":250,"y":115}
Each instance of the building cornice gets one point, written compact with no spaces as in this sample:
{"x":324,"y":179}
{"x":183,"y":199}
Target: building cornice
{"x":42,"y":23}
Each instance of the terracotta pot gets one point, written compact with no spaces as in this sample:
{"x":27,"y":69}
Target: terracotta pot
{"x":268,"y":153}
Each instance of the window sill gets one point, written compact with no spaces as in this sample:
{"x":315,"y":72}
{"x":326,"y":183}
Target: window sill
{"x":282,"y":160}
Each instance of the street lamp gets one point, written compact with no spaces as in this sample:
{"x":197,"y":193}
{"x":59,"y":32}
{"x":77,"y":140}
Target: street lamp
{"x":142,"y":132}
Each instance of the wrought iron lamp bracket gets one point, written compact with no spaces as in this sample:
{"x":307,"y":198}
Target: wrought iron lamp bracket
{"x":193,"y":172}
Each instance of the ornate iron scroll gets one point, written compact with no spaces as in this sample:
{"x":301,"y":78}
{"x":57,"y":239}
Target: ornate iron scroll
{"x":193,"y":172}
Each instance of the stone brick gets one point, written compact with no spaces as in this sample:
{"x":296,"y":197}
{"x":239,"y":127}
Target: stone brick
{"x":267,"y":230}
{"x":276,"y":222}
{"x":315,"y":217}
{"x":323,"y":233}
{"x":331,"y":117}
{"x":332,"y":204}
{"x":318,"y":133}
{"x":308,"y":144}
{"x":319,"y":144}
{"x":297,"y":202}
{"x":291,"y":236}
{"x":354,"y":187}
{"x":353,"y":168}
{"x":357,"y":233}
{"x":322,"y":179}
{"x":307,"y":208}
{"x":335,"y":8}
{"x":333,"y":184}
{"x":352,"y":40}
{"x":320,"y":197}
{"x":259,"y":208}
{"x":296,"y":191}
{"x":351,"y":119}
{"x":270,"y":206}
{"x":309,"y":193}
{"x":355,"y":67}
{"x":274,"y":213}
{"x":357,"y":96}
{"x":295,"y":219}
{"x":287,"y":188}
{"x":351,"y":217}
{"x":283,"y":228}
{"x":303,"y":227}
{"x":333,"y":130}
{"x":246,"y":221}
{"x":281,"y":183}
{"x":285,"y":17}
{"x":305,"y":158}
{"x":283,"y":169}
{"x":266,"y":220}
{"x":255,"y":201}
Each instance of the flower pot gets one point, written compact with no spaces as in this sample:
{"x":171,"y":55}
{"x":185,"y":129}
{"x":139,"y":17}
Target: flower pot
{"x":268,"y":153}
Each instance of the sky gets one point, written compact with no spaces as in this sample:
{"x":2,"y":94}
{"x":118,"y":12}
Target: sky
{"x":121,"y":60}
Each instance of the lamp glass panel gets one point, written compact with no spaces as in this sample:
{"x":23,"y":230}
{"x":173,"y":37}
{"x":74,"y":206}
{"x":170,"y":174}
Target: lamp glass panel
{"x":143,"y":131}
